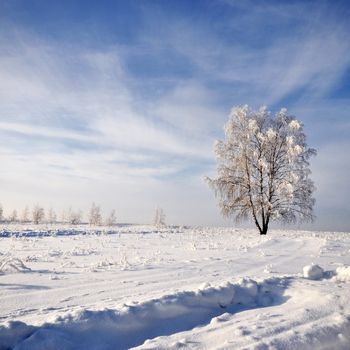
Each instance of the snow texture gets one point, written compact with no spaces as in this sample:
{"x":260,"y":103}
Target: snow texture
{"x":173,"y":287}
{"x":342,"y":274}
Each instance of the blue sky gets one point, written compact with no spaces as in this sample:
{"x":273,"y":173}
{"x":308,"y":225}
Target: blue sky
{"x":119,"y":102}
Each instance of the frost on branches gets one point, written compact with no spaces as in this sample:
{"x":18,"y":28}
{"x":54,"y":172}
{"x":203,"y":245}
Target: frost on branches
{"x":263,"y":168}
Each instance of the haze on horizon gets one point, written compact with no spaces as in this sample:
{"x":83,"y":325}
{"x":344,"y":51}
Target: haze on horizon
{"x":120,"y":102}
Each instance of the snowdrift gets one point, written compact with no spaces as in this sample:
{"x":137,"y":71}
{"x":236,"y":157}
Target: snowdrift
{"x":131,"y":325}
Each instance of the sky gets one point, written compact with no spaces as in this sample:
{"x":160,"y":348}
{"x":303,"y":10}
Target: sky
{"x":120,"y":102}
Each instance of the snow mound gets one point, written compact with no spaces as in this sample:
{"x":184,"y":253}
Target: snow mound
{"x":313,"y":272}
{"x":342,"y":274}
{"x":81,"y":252}
{"x":131,"y":325}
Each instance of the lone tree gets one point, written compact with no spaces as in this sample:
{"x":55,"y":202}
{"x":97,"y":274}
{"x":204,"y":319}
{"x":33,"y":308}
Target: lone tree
{"x":263,"y":168}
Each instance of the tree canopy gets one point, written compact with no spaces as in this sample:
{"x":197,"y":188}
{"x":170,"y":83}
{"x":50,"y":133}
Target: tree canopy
{"x":263,"y":168}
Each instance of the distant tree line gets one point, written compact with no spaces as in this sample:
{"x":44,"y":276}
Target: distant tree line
{"x":38,"y":215}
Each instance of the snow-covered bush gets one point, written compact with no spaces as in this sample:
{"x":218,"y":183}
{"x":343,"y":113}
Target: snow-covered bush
{"x":263,"y":168}
{"x":9,"y":263}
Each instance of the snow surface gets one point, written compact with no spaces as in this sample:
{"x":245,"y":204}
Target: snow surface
{"x":173,"y":288}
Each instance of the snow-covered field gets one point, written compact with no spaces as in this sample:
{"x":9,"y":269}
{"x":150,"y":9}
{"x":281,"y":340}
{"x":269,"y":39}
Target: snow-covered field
{"x":173,"y":288}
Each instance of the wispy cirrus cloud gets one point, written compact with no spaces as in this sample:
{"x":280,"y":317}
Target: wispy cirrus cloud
{"x":137,"y":111}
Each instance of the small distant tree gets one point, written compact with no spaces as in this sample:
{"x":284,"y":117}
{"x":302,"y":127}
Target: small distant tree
{"x":63,"y":216}
{"x":25,"y":215}
{"x":51,"y":216}
{"x":1,"y":213}
{"x":13,"y":216}
{"x":159,"y":218}
{"x":263,"y":168}
{"x":74,"y":217}
{"x":38,"y":214}
{"x":95,"y":217}
{"x":111,"y":219}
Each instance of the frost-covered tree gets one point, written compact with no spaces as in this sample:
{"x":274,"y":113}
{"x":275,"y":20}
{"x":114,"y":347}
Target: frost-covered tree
{"x":63,"y":216}
{"x":51,"y":216}
{"x":25,"y":214}
{"x":38,"y":214}
{"x":159,"y":218}
{"x":111,"y":219}
{"x":74,"y":216}
{"x":95,"y":217}
{"x":13,"y":216}
{"x":263,"y":168}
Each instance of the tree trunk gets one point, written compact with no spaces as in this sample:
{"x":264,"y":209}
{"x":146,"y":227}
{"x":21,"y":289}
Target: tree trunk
{"x":263,"y":227}
{"x":264,"y":230}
